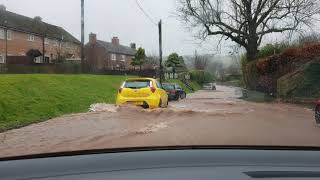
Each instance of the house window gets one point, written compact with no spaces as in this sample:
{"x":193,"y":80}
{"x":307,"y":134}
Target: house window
{"x":1,"y":59}
{"x":113,"y":57}
{"x":123,"y":58}
{"x":55,"y":43}
{"x":68,"y":45}
{"x":46,"y":41}
{"x":9,"y":35}
{"x":38,"y":59}
{"x":1,"y":33}
{"x":31,"y":37}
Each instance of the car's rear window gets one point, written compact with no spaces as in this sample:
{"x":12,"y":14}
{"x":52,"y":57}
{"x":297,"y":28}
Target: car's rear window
{"x":137,"y":84}
{"x":167,"y":86}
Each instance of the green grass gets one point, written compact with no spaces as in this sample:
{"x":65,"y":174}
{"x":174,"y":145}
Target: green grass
{"x":194,"y":85}
{"x":27,"y":99}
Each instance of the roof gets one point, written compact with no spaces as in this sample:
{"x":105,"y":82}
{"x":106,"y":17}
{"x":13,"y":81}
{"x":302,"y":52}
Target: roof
{"x":117,"y":49}
{"x":26,"y":24}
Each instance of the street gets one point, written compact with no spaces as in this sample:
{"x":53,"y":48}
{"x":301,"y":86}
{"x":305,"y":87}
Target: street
{"x":204,"y":118}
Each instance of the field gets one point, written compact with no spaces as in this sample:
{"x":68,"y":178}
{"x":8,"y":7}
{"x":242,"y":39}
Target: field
{"x":27,"y":99}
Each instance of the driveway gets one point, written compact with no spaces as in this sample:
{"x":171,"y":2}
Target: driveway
{"x":204,"y":118}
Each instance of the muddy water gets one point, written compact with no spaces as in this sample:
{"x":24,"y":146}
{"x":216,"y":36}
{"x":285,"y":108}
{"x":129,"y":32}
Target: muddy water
{"x":204,"y":118}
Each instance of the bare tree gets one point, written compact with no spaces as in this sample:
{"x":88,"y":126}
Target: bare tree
{"x":200,"y":62}
{"x":246,"y":22}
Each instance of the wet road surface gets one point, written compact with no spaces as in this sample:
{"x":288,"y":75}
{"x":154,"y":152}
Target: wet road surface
{"x":204,"y":118}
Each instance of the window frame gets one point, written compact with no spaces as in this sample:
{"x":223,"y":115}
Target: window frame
{"x":9,"y":34}
{"x":55,"y":43}
{"x":46,"y":41}
{"x":2,"y":59}
{"x":123,"y":58}
{"x":113,"y":57}
{"x":31,"y":39}
{"x":67,"y":44}
{"x":2,"y":33}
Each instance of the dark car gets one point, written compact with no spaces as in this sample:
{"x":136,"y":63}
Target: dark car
{"x":317,"y":112}
{"x":175,"y":92}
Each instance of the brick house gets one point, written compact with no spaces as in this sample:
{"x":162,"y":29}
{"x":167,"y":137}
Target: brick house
{"x":21,"y":35}
{"x":101,"y":55}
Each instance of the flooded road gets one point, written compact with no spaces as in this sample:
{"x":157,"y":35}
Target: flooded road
{"x":204,"y":118}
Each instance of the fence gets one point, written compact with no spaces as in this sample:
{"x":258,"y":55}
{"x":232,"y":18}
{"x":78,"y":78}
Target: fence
{"x":68,"y":68}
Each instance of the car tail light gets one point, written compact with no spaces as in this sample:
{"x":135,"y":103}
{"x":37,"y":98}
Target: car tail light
{"x":120,"y":90}
{"x":173,"y":91}
{"x":153,"y":89}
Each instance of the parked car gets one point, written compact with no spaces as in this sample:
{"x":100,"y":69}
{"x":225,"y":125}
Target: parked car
{"x":145,"y":92}
{"x":209,"y":86}
{"x":175,"y":92}
{"x":317,"y":112}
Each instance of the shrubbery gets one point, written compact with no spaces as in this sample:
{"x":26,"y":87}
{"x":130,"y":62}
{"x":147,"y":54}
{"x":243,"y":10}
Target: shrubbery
{"x":272,"y":49}
{"x":201,"y":77}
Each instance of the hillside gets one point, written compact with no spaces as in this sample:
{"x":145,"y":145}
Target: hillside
{"x":26,"y":99}
{"x":290,"y":74}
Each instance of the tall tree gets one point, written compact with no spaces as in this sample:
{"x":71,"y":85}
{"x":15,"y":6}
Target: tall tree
{"x":200,"y":62}
{"x":246,"y":22}
{"x":174,"y":61}
{"x":139,"y":58}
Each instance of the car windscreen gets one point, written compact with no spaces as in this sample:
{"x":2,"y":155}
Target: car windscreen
{"x":167,"y":86}
{"x":137,"y":84}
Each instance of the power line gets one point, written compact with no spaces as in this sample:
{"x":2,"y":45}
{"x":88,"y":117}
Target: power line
{"x":145,"y":13}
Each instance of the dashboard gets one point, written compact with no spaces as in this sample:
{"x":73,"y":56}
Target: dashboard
{"x":184,"y":164}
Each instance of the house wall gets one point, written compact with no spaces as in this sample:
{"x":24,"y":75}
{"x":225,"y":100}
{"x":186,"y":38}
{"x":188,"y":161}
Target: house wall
{"x":97,"y":59}
{"x":119,"y":63}
{"x":19,"y":45}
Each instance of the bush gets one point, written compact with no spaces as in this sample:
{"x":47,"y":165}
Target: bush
{"x":201,"y":77}
{"x":272,"y":49}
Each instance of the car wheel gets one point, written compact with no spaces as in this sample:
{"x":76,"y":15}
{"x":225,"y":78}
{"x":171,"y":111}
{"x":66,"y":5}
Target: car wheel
{"x":183,"y":95}
{"x":145,"y":105}
{"x":160,"y":103}
{"x":177,"y":97}
{"x":317,"y":115}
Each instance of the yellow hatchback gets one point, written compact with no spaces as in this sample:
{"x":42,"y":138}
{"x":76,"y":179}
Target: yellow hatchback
{"x":145,"y":92}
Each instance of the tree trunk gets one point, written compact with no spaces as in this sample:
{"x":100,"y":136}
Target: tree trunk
{"x":252,"y":53}
{"x":252,"y":48}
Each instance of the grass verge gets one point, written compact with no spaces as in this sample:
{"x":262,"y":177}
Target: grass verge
{"x":27,"y":99}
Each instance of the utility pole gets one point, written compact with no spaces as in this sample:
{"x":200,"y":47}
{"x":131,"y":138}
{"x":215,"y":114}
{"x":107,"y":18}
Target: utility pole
{"x":160,"y":50}
{"x":6,"y":39}
{"x":82,"y":35}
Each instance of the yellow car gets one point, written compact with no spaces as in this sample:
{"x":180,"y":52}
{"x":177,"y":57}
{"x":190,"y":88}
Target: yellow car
{"x":145,"y":92}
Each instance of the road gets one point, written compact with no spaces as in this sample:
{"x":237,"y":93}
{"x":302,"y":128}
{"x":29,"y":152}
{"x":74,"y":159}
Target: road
{"x":204,"y":118}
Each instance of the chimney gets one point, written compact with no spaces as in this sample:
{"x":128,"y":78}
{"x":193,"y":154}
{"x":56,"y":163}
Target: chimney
{"x":92,"y":38}
{"x":38,"y":19}
{"x":3,"y":8}
{"x":133,"y":46}
{"x":115,"y":41}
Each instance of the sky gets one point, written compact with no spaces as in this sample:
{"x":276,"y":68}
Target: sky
{"x":121,"y":18}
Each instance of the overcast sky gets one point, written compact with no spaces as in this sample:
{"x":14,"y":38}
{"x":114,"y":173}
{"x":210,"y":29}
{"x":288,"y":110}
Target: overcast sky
{"x":121,"y":18}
